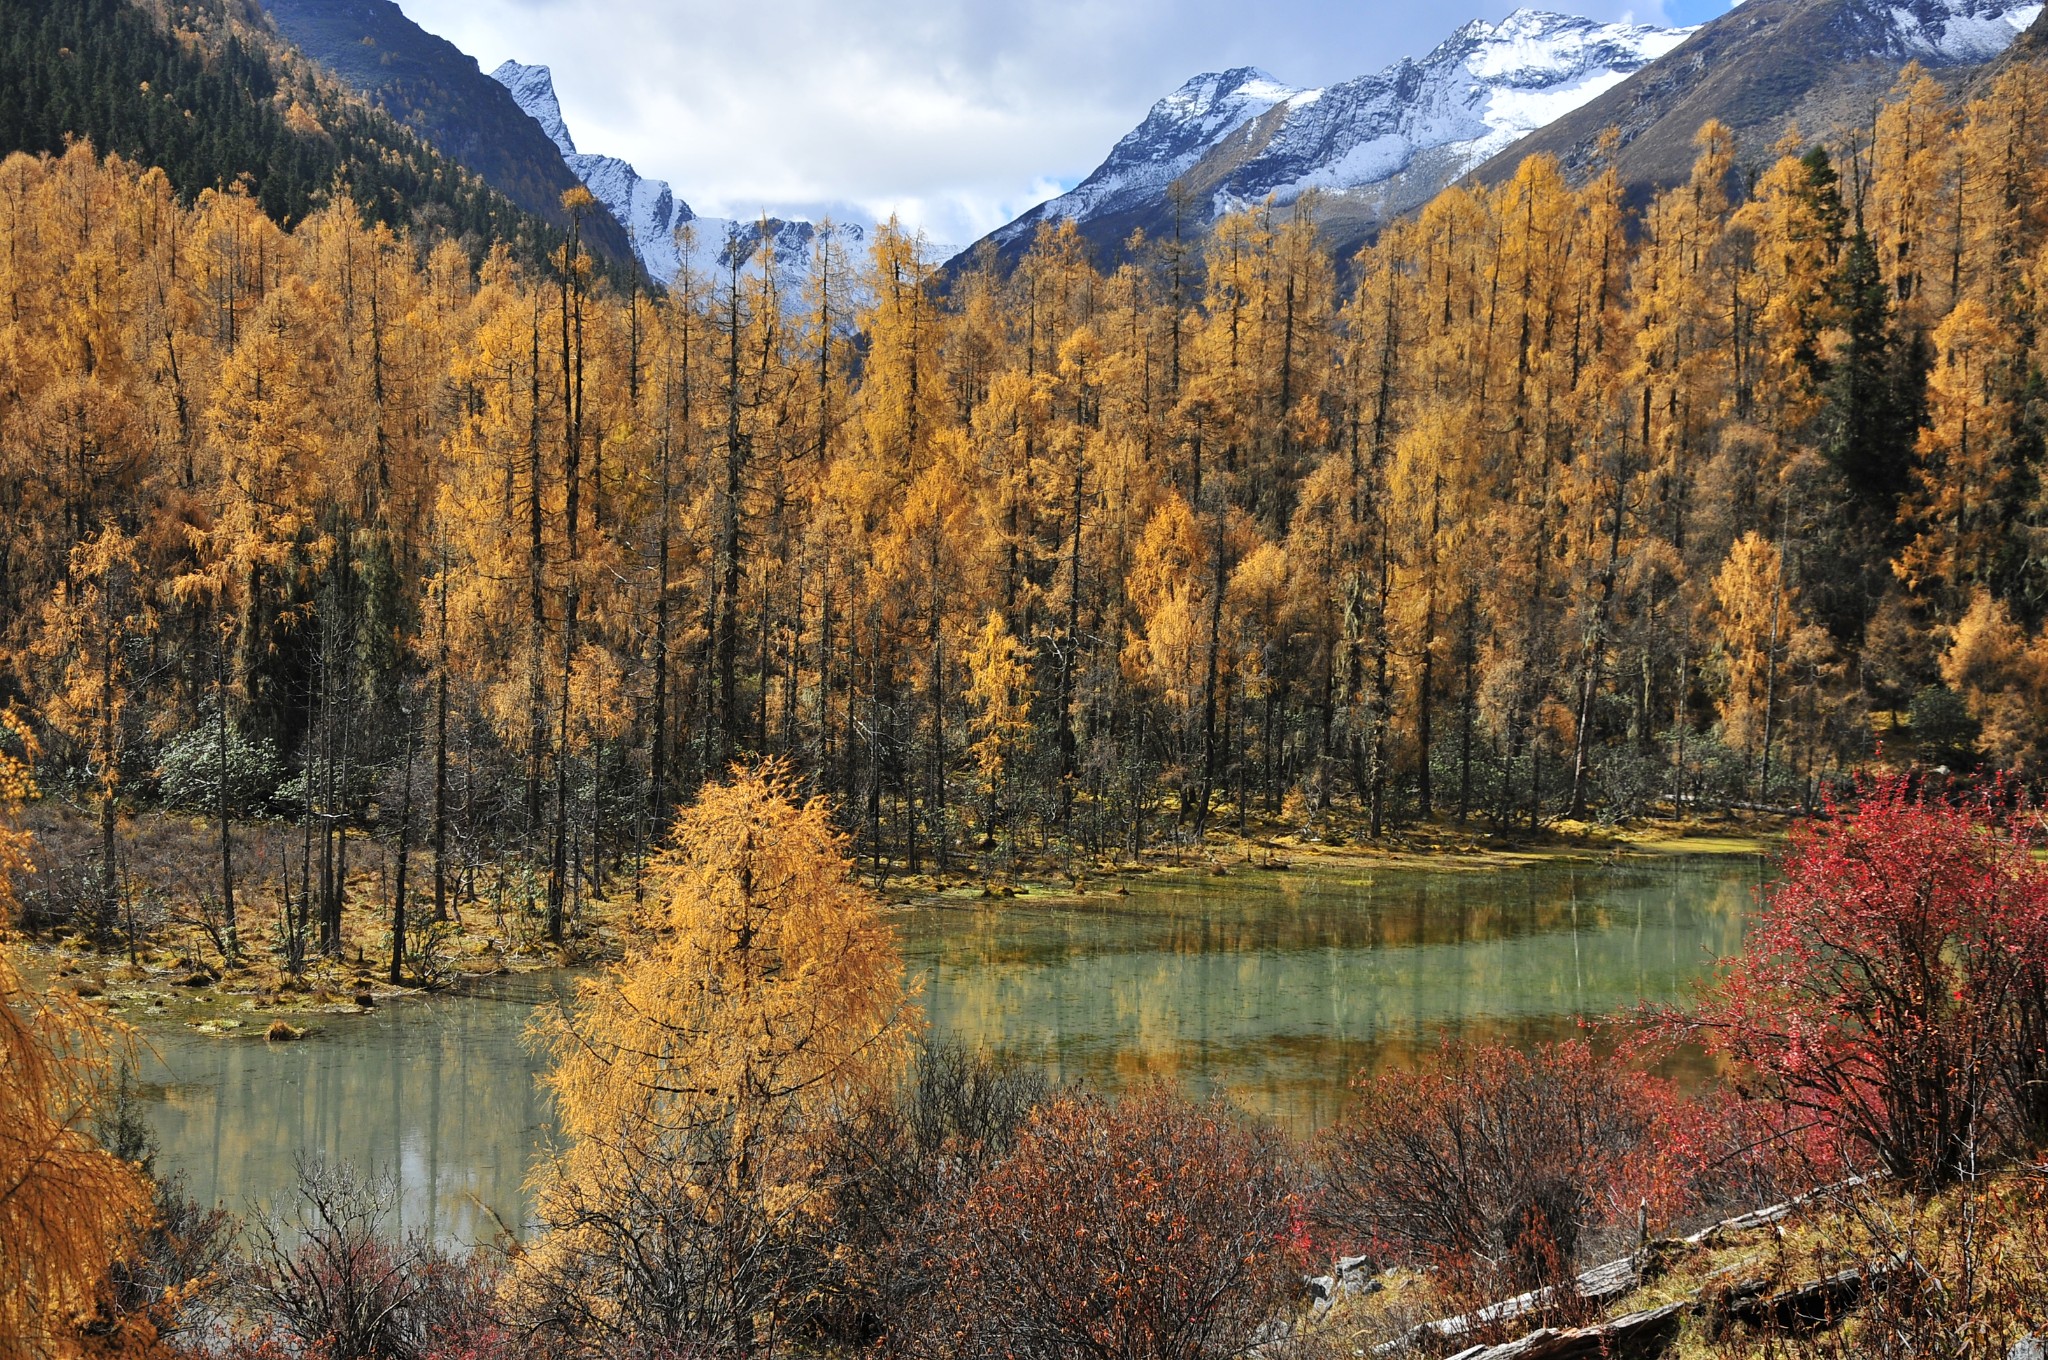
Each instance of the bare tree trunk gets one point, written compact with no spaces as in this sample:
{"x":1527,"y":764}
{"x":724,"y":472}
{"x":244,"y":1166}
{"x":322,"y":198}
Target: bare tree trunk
{"x":572,"y":458}
{"x":1212,"y":679}
{"x":227,"y":844}
{"x":109,"y":783}
{"x":441,"y":757}
{"x":728,"y":614}
{"x":1425,"y":684}
{"x":1069,"y":654}
{"x":1596,"y":645}
{"x":536,"y":595}
{"x":404,"y":858}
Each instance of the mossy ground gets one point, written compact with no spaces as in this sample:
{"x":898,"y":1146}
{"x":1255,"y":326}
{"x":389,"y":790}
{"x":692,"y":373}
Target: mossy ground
{"x":161,"y":960}
{"x":1968,"y":1274}
{"x":1335,"y":845}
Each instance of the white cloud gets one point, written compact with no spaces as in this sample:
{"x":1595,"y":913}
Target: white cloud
{"x":955,"y":114}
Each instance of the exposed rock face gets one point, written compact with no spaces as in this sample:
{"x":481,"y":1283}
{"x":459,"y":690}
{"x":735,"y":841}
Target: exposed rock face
{"x":665,"y":232}
{"x":436,"y":89}
{"x":1766,"y":66}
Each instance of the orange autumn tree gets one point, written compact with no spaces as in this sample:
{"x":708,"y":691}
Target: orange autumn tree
{"x":692,"y":1078}
{"x":66,"y":1206}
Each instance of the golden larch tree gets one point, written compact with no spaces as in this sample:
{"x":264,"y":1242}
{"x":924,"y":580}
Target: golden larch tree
{"x":692,"y":1078}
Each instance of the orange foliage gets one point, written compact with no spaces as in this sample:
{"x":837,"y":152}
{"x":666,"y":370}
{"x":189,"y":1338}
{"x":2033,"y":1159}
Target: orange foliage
{"x":67,"y":1208}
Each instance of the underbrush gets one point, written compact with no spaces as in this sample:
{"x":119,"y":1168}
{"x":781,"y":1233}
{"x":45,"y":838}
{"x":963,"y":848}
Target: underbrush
{"x":159,"y":939}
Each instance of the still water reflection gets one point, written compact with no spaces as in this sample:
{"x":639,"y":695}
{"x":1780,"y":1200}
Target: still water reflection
{"x":437,"y":1095}
{"x":1278,"y":988}
{"x":1275,"y":987}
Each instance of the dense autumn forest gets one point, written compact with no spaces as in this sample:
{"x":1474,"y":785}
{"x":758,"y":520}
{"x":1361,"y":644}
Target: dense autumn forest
{"x":329,"y":519}
{"x":1543,"y":507}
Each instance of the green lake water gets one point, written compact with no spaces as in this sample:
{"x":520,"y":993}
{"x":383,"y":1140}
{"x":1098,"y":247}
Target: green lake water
{"x":1275,"y":988}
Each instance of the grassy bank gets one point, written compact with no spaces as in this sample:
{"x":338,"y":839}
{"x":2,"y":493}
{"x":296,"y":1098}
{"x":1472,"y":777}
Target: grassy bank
{"x":1853,"y":1269}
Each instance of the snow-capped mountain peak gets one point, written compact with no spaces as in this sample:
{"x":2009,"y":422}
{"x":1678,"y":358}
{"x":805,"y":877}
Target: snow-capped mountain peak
{"x":653,"y":216}
{"x":533,"y":90}
{"x":1181,"y":129}
{"x":1955,"y":32}
{"x":1214,"y":103}
{"x":1390,"y":139}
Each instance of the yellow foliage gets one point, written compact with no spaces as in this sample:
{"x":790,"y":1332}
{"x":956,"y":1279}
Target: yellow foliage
{"x":2002,"y":676}
{"x":90,"y":626}
{"x":766,"y":990}
{"x":1000,"y":690}
{"x":1961,"y":474}
{"x":1762,"y":631}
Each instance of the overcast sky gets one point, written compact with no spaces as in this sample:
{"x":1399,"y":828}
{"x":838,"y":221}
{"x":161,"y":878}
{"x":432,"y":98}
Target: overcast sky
{"x":954,"y":114}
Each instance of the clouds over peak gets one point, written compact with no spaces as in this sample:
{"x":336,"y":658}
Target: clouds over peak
{"x":954,"y":114}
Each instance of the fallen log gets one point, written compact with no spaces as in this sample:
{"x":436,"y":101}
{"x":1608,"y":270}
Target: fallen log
{"x":1719,"y":1302}
{"x":1601,"y":1284}
{"x":1616,"y":1279}
{"x":1813,"y":1305}
{"x":1637,"y":1335}
{"x":1763,"y":1218}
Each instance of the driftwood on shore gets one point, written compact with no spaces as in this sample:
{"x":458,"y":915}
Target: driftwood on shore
{"x":1599,"y":1285}
{"x":1804,"y":1307}
{"x":1763,"y":1218}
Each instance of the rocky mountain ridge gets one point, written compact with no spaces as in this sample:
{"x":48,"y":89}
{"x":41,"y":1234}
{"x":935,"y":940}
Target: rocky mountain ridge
{"x":666,"y":233}
{"x":1369,"y":148}
{"x":433,"y":87}
{"x":1768,"y":66}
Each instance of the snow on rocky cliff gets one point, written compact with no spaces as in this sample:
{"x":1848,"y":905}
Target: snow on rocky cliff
{"x":1238,"y":136}
{"x":1953,"y":32}
{"x":661,"y":225}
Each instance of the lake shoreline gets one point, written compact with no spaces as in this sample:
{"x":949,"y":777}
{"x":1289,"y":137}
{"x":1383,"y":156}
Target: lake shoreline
{"x":1273,"y":990}
{"x":1450,"y":849}
{"x":180,"y":981}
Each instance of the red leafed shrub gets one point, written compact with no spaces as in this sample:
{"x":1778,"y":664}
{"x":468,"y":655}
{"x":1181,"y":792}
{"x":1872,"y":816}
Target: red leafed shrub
{"x":1146,"y":1229}
{"x":1490,"y":1163}
{"x":1717,"y":1152}
{"x":1893,"y":988}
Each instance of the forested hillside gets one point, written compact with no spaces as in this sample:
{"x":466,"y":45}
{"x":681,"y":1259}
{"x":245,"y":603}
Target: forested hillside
{"x":1560,"y":514}
{"x":205,"y":91}
{"x":433,"y":87}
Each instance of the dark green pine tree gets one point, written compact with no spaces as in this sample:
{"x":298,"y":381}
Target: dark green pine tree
{"x":1874,"y":391}
{"x":1821,"y":195}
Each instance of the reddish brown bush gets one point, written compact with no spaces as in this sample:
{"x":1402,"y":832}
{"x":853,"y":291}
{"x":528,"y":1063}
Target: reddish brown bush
{"x":326,"y":1283}
{"x":892,"y":1160}
{"x":1491,"y":1163}
{"x":1147,"y":1229}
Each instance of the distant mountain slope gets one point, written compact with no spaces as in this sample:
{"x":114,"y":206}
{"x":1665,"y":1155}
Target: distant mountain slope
{"x":1371,"y":147}
{"x":652,"y":212}
{"x":2031,"y":47}
{"x":222,"y":98}
{"x":1763,"y":66}
{"x":435,"y":88}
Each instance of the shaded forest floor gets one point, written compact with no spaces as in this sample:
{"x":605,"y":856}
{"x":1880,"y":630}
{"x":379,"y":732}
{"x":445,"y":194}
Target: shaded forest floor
{"x":158,"y":955}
